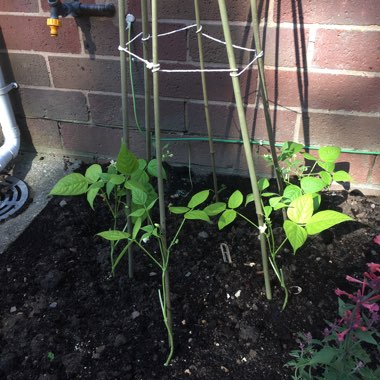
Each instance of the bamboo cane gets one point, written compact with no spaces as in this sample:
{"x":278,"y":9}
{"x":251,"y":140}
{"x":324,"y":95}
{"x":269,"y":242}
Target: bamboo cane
{"x":161,"y":200}
{"x":124,"y":106}
{"x":264,"y":94}
{"x":205,"y":97}
{"x":147,"y":79}
{"x":246,"y":142}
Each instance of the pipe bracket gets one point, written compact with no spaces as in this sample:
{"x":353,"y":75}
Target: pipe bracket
{"x":4,"y":90}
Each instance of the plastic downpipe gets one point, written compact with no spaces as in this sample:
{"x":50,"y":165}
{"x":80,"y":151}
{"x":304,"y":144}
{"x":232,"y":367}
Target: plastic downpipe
{"x":11,"y":133}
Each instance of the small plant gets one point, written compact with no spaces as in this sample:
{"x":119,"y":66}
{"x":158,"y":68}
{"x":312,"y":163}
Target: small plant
{"x":343,"y":352}
{"x":129,"y":174}
{"x":50,"y":356}
{"x":315,"y":178}
{"x":301,"y":202}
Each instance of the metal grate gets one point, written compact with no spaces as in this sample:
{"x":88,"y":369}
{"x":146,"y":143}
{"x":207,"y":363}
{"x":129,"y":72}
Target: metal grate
{"x":13,"y":195}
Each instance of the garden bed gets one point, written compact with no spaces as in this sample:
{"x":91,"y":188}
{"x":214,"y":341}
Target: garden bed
{"x":64,"y":317}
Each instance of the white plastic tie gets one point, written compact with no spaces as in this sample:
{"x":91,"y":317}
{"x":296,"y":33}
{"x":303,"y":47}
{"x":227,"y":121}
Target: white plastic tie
{"x":199,"y":30}
{"x":147,"y":38}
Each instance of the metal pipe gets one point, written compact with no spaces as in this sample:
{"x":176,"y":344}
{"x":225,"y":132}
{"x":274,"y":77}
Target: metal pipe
{"x":246,"y":142}
{"x":205,"y":97}
{"x":11,"y":133}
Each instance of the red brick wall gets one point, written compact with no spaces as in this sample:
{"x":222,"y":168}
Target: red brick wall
{"x":322,"y":67}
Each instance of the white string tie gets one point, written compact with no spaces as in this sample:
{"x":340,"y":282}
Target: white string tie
{"x":156,"y":67}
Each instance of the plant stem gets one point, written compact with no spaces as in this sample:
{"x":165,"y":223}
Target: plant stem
{"x":147,"y":78}
{"x":161,"y":200}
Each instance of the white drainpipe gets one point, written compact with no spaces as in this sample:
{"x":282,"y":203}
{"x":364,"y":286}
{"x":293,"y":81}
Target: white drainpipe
{"x":11,"y":133}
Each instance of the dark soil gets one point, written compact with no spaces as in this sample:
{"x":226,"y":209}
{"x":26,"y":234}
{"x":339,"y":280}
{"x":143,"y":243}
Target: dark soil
{"x":64,"y":317}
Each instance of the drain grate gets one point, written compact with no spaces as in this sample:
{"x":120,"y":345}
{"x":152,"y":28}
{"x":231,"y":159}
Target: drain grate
{"x":13,"y":195}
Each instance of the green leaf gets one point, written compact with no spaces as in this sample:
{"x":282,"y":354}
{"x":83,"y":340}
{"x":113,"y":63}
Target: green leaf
{"x":142,"y":163}
{"x":136,"y":228}
{"x":139,"y":197}
{"x":109,"y":187}
{"x":366,"y":336}
{"x":152,"y":197}
{"x":126,"y":162}
{"x":316,"y":201}
{"x":301,"y":209}
{"x":250,"y":198}
{"x":324,"y":356}
{"x":326,"y":178}
{"x":153,"y":169}
{"x":341,"y":176}
{"x":329,"y":153}
{"x":267,"y":211}
{"x":72,"y":184}
{"x":198,"y":198}
{"x":226,"y":218}
{"x":292,"y":192}
{"x":309,"y":157}
{"x":140,"y":175}
{"x":328,"y":166}
{"x":92,"y":173}
{"x":296,"y":235}
{"x":323,"y":220}
{"x":235,"y":200}
{"x":266,"y":194}
{"x":93,"y":191}
{"x":137,"y":213}
{"x":215,"y":208}
{"x":263,"y":183}
{"x":116,"y":179}
{"x":197,"y":215}
{"x":179,"y":210}
{"x":275,"y":201}
{"x":114,"y":235}
{"x":312,"y":185}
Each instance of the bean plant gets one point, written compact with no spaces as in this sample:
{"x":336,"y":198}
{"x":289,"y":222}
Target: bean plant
{"x":300,"y":200}
{"x":130,"y":174}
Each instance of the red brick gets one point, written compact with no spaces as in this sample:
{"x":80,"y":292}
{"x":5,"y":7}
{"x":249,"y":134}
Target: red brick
{"x":50,"y":104}
{"x":348,"y":12}
{"x":39,"y":133}
{"x":225,"y":122}
{"x":32,"y":33}
{"x":28,"y":69}
{"x":19,"y":6}
{"x":106,"y":110}
{"x":349,"y":50}
{"x":325,"y":91}
{"x":358,"y":165}
{"x":85,"y":73}
{"x":375,"y":172}
{"x":281,"y":47}
{"x":99,"y":141}
{"x":209,"y":10}
{"x":346,"y":131}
